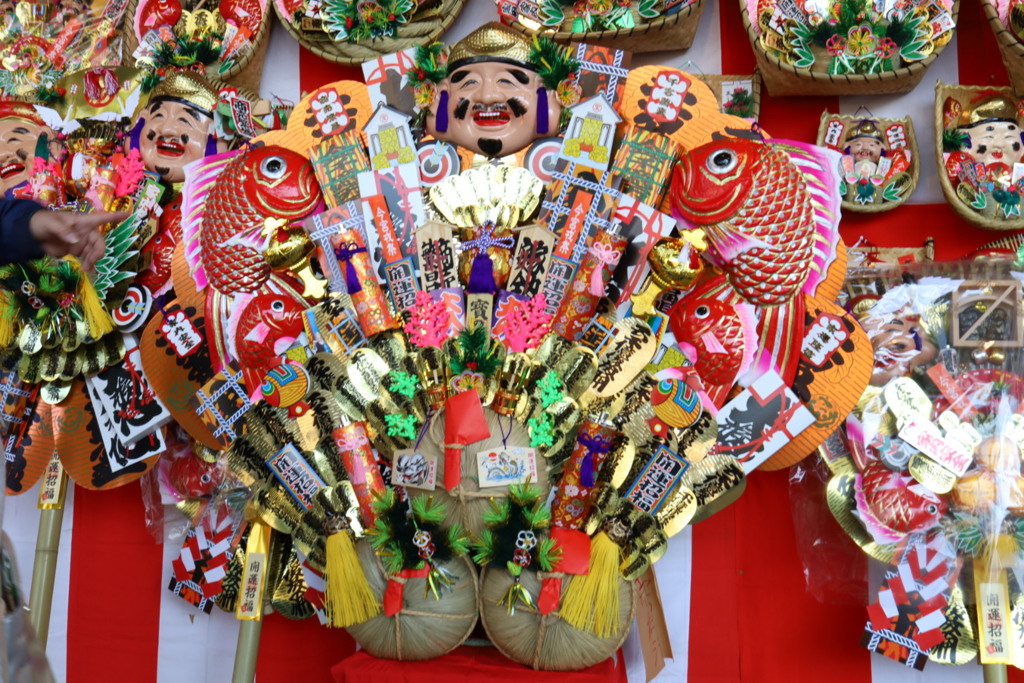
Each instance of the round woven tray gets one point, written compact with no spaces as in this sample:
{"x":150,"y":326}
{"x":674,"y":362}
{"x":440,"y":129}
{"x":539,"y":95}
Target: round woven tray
{"x":408,"y":35}
{"x":1010,"y":48}
{"x":915,"y":165}
{"x":247,"y":69}
{"x":672,"y":32}
{"x":782,"y":78}
{"x":964,"y":93}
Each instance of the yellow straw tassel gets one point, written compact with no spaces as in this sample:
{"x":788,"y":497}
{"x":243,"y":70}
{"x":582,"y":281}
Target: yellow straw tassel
{"x":7,"y":316}
{"x":350,"y":600}
{"x":96,"y":316}
{"x":591,"y":602}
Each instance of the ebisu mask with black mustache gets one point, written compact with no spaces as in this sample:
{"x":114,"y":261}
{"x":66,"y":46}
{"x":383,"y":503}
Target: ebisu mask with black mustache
{"x":493,"y":101}
{"x":176,"y":126}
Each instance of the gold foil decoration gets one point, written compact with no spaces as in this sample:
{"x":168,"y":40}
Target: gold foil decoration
{"x":503,"y":195}
{"x":842,"y":502}
{"x":624,"y":358}
{"x":717,"y":482}
{"x":931,"y":474}
{"x":674,"y":265}
{"x":493,"y":41}
{"x":515,"y":373}
{"x":288,"y":597}
{"x":333,"y":507}
{"x":677,"y":512}
{"x":961,"y":645}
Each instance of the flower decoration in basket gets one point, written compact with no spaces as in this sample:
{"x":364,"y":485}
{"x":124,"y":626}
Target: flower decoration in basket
{"x":591,"y":15}
{"x":838,"y":44}
{"x":981,"y":152}
{"x":879,"y":167}
{"x":216,"y":42}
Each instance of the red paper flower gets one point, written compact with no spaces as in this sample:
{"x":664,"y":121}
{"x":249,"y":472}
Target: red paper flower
{"x":836,"y":45}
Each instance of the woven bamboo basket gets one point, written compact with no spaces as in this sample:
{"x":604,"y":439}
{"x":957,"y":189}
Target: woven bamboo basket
{"x":247,"y":69}
{"x":716,"y":81}
{"x":1010,"y":48}
{"x":424,"y":628}
{"x":672,"y":32}
{"x":915,"y":166}
{"x":416,"y":32}
{"x":546,"y":641}
{"x":964,"y":93}
{"x":782,"y":78}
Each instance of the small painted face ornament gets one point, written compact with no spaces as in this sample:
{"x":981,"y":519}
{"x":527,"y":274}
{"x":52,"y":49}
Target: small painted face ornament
{"x":866,"y":149}
{"x":18,"y":137}
{"x":900,"y":346}
{"x":174,"y":133}
{"x":492,"y":107}
{"x":995,"y":142}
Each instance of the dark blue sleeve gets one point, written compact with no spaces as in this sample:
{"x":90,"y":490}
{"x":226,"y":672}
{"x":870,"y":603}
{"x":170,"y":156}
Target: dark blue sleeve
{"x":16,"y":241}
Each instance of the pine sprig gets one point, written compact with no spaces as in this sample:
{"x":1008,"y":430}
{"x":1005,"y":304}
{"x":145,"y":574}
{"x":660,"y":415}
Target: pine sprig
{"x":554,"y":61}
{"x":473,"y":350}
{"x":431,"y":65}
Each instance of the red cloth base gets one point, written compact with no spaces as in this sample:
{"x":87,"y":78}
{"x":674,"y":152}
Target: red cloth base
{"x":467,"y":663}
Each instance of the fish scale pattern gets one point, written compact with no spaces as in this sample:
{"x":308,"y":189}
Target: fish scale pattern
{"x":779,"y":213}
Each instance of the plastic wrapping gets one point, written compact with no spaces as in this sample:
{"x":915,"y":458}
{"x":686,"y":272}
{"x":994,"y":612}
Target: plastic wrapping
{"x":926,"y":475}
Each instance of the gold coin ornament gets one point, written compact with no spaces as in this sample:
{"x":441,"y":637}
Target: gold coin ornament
{"x":928,"y":470}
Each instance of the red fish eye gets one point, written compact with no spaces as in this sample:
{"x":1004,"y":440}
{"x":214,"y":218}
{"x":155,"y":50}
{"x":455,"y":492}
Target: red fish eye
{"x":277,"y":305}
{"x":933,"y":508}
{"x":702,"y":311}
{"x":722,"y":161}
{"x":273,"y":167}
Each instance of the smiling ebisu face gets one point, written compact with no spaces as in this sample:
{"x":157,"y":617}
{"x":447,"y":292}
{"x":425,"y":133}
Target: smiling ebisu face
{"x":996,"y":142}
{"x":492,"y":107}
{"x":174,"y":134}
{"x":18,"y":138}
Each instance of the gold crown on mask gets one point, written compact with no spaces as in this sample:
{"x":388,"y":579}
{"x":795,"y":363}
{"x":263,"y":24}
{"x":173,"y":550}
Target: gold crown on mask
{"x":995,"y":108}
{"x":489,"y":43}
{"x":865,"y":129}
{"x":187,"y":86}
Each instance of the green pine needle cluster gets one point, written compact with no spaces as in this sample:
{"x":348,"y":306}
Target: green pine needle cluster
{"x":953,"y":140}
{"x":431,"y":65}
{"x":396,"y":525}
{"x":554,"y":61}
{"x":473,"y":351}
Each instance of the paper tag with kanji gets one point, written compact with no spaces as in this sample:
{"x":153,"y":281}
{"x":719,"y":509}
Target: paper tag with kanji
{"x":505,"y":466}
{"x":414,"y":469}
{"x":53,"y":485}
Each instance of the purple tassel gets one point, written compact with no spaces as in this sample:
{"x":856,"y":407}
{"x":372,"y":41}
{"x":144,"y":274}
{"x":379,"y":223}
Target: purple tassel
{"x":136,"y":134}
{"x":441,"y":119}
{"x":345,"y":252}
{"x":211,"y":145}
{"x":594,"y":445}
{"x":542,"y":111}
{"x":481,"y":275}
{"x":587,"y":469}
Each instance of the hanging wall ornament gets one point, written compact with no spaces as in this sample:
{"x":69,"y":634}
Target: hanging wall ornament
{"x":226,"y":43}
{"x":641,"y":26}
{"x":845,"y":48}
{"x":978,"y":148}
{"x":879,"y":167}
{"x":355,"y":31}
